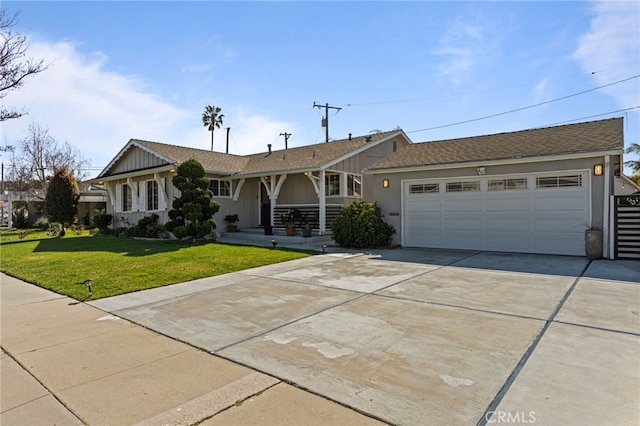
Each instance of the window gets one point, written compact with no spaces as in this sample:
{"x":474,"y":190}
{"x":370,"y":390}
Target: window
{"x":506,"y":184}
{"x":463,"y":186}
{"x":354,"y":185}
{"x":558,"y":181}
{"x":424,"y":188}
{"x":332,"y":184}
{"x":152,"y":195}
{"x":127,"y":202}
{"x":220,"y":188}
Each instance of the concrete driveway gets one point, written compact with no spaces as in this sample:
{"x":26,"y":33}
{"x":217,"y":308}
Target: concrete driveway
{"x":424,"y":336}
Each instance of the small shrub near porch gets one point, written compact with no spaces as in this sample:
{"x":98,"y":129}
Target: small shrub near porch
{"x":360,"y":225}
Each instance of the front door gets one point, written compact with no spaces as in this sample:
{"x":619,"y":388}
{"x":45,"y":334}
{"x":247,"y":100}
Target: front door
{"x":265,"y":207}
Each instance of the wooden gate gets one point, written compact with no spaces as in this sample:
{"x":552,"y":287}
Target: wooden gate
{"x":627,"y":229}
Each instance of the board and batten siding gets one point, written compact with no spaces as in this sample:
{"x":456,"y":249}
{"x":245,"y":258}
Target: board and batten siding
{"x":137,"y":159}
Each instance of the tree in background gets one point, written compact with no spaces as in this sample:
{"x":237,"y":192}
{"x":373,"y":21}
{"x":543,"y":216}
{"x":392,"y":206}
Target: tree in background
{"x":61,"y":203}
{"x":14,"y":68}
{"x":211,"y":118}
{"x":634,"y":148}
{"x":38,"y":157}
{"x":192,"y":213}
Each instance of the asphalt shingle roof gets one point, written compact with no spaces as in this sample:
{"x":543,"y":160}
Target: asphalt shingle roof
{"x":593,"y":136}
{"x":298,"y":158}
{"x":210,"y":160}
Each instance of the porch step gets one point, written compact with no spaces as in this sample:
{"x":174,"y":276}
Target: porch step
{"x":256,"y":235}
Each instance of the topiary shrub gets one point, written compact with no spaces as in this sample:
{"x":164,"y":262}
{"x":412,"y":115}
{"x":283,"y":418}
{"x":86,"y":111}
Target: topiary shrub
{"x":360,"y":225}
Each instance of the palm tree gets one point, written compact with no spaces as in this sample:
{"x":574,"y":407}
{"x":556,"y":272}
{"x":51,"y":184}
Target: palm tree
{"x":211,"y":118}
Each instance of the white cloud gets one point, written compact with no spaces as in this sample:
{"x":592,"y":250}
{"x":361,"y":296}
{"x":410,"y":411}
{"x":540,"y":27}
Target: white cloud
{"x":461,"y":46}
{"x":97,"y":110}
{"x":86,"y":105}
{"x":610,"y":48}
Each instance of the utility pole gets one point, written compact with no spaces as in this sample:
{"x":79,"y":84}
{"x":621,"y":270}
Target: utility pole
{"x":286,"y":139}
{"x":228,"y":129}
{"x":325,"y":121}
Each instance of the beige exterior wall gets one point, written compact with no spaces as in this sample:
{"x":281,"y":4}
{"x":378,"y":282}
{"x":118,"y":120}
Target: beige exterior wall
{"x":390,"y":199}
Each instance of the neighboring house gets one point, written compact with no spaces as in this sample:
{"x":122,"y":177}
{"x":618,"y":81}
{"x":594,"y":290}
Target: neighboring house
{"x":625,"y":185}
{"x":316,"y":179}
{"x":532,"y":191}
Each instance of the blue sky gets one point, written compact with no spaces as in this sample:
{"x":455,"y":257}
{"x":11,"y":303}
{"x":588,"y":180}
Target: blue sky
{"x":146,"y":70}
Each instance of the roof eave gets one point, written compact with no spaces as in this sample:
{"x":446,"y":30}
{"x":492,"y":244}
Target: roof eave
{"x":504,"y":161}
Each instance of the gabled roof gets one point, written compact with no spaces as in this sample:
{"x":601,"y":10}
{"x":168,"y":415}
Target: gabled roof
{"x":310,"y":157}
{"x":315,"y":156}
{"x":593,"y":136}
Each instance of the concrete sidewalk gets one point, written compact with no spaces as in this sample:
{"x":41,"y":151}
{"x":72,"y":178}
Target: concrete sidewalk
{"x":68,"y":363}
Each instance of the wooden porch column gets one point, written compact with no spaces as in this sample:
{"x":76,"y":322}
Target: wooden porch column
{"x":322,"y":204}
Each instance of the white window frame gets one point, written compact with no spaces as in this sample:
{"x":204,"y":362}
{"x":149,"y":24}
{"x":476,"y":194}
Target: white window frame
{"x":559,"y":181}
{"x":424,"y":188}
{"x":126,"y":198}
{"x":214,"y":186}
{"x":465,"y":186}
{"x":354,"y":180}
{"x":152,"y":198}
{"x":507,"y":184}
{"x":329,"y":186}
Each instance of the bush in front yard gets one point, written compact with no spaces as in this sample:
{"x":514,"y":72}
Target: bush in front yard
{"x":360,"y":224}
{"x":101,"y":220}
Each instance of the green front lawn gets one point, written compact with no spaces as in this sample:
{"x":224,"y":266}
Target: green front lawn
{"x":123,"y":265}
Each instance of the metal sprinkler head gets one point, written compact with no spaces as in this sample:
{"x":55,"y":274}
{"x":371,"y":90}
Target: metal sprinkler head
{"x":274,"y":243}
{"x":324,"y":248}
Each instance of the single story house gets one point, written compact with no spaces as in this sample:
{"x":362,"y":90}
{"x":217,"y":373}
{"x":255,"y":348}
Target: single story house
{"x":531,"y":191}
{"x":315,"y":179}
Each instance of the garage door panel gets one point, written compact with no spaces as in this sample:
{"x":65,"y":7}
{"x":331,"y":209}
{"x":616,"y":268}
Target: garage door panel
{"x":512,"y":224}
{"x":570,"y":225}
{"x":430,"y":205}
{"x":462,"y":224}
{"x":504,"y":204}
{"x":560,"y":203}
{"x":462,"y":204}
{"x":463,"y":239}
{"x":508,"y":242}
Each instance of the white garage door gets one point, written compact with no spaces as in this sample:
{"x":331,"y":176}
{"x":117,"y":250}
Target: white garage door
{"x":543,"y":213}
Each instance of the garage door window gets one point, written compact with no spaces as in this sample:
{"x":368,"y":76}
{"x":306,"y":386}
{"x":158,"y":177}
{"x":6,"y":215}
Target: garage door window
{"x":558,"y":181}
{"x":463,"y":186}
{"x":424,"y":188}
{"x":506,"y":184}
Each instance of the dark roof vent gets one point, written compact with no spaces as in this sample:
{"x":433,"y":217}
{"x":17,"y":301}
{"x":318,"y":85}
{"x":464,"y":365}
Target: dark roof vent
{"x":269,"y":146}
{"x":349,"y":136}
{"x":367,"y":138}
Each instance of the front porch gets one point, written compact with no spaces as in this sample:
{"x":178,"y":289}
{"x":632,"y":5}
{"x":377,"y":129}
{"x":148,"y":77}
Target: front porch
{"x":256,"y":236}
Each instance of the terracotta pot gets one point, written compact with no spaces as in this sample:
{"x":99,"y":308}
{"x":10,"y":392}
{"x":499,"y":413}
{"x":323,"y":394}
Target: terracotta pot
{"x":291,"y":231}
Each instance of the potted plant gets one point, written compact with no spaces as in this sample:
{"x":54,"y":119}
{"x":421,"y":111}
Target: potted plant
{"x":593,"y":242}
{"x":289,"y":219}
{"x":306,"y":227}
{"x":231,"y":220}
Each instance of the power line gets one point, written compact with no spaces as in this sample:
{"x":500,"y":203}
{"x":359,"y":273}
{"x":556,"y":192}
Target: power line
{"x":592,"y":116}
{"x":523,"y":108}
